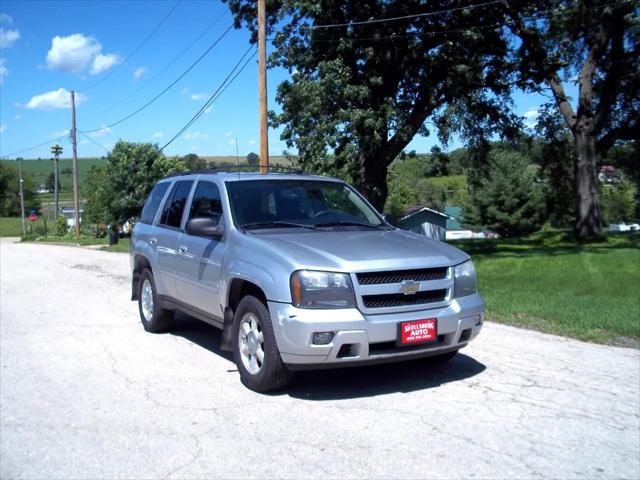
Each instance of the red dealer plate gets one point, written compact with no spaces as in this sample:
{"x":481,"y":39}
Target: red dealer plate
{"x":418,"y":331}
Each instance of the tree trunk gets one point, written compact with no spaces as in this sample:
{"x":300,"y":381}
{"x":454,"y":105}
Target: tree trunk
{"x":588,"y":222}
{"x":372,"y":180}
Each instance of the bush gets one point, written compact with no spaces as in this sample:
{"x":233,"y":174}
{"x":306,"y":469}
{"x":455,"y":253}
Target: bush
{"x":617,"y":203}
{"x":61,"y":226}
{"x":506,"y":198}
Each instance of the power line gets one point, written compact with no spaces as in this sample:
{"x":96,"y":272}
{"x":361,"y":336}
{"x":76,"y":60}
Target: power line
{"x":135,"y":50}
{"x":167,"y":88}
{"x":418,"y":33}
{"x":216,"y":94}
{"x":93,"y":141}
{"x":403,"y":17}
{"x":28,"y":149}
{"x":164,"y":69}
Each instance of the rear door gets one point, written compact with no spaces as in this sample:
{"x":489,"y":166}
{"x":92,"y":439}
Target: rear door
{"x":198,"y":277}
{"x":167,"y":234}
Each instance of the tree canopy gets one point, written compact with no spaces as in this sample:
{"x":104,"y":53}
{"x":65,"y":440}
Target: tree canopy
{"x":367,"y":76}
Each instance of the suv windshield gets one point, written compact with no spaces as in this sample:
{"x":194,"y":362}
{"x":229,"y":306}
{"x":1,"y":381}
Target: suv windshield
{"x":298,"y":203}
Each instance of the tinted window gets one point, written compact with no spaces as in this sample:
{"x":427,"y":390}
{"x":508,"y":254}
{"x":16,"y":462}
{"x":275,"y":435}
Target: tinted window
{"x":172,"y":213}
{"x":153,"y":202}
{"x":308,"y":202}
{"x":206,"y":202}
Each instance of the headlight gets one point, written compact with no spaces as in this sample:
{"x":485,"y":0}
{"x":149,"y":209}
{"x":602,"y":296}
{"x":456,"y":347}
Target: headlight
{"x":464,"y":279}
{"x":321,"y":290}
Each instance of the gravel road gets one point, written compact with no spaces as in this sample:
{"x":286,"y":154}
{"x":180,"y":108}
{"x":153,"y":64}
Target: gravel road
{"x":86,"y":393}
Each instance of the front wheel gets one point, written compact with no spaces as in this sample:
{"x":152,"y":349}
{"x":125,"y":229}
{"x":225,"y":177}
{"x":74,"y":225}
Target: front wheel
{"x":255,"y":350}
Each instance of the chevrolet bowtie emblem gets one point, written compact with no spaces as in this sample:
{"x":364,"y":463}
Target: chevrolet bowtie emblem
{"x":409,"y":287}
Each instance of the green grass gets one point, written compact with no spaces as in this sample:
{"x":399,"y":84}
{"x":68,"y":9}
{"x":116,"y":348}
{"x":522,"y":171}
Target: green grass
{"x":12,"y":226}
{"x":547,"y":282}
{"x":39,"y":170}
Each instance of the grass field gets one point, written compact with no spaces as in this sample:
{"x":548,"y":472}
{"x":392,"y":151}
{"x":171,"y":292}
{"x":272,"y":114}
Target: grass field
{"x":12,"y":226}
{"x":547,"y":283}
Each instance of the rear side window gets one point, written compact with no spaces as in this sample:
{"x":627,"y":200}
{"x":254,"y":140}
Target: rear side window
{"x":174,"y":206}
{"x":206,"y":202}
{"x":153,"y":202}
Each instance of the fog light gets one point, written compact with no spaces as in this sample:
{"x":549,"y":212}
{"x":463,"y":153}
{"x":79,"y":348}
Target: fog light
{"x":478,"y":319}
{"x":322,"y":338}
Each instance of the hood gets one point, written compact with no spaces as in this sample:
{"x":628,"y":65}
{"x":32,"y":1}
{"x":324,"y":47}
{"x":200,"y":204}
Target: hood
{"x":367,"y":250}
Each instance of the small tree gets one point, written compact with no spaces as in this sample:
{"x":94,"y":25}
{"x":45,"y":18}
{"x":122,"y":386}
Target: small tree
{"x":253,"y":159}
{"x":506,"y":198}
{"x":194,"y":162}
{"x":618,"y":203}
{"x":51,"y":181}
{"x":10,"y":191}
{"x":118,"y":190}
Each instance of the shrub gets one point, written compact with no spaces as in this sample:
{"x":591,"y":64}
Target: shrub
{"x":506,"y":198}
{"x":61,"y":226}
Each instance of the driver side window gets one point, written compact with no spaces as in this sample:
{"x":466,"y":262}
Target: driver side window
{"x":206,"y":202}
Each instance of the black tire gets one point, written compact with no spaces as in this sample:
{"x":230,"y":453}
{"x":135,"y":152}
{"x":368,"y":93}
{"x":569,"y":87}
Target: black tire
{"x":443,"y":358}
{"x":273,"y":373}
{"x":160,"y":320}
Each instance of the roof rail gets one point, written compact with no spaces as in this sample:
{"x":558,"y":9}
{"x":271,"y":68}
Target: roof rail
{"x":240,"y":168}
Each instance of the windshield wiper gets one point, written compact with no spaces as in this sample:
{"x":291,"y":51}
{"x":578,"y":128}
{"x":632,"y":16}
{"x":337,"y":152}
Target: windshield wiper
{"x":344,"y":223}
{"x":276,"y":224}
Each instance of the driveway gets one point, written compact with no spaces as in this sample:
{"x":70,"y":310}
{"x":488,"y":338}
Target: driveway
{"x":86,"y":393}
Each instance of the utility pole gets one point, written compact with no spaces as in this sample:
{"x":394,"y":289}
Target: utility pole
{"x":262,"y":87}
{"x":74,"y":165}
{"x":24,"y":228}
{"x":56,"y":151}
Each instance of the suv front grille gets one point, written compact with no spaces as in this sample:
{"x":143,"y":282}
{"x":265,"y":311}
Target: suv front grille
{"x":398,"y":276}
{"x":401,"y":300}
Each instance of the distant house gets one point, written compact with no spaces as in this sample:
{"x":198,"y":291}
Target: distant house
{"x":608,"y":174}
{"x":425,"y":221}
{"x":68,"y":212}
{"x":42,"y":189}
{"x":455,"y":230}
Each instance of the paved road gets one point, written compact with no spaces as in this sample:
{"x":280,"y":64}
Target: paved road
{"x":85,"y":393}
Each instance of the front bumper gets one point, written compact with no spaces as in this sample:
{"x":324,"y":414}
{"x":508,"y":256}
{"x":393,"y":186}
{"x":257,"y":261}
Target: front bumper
{"x":363,"y":338}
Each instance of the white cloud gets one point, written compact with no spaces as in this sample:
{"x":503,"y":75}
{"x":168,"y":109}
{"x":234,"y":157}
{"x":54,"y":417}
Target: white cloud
{"x":2,"y":128}
{"x":195,"y":135}
{"x":103,"y":132}
{"x":4,"y":18}
{"x":102,"y":63}
{"x":232,"y":141}
{"x":75,"y":52}
{"x":193,"y":148}
{"x":157,"y":135}
{"x":83,"y":141}
{"x":228,"y":134}
{"x":199,"y":96}
{"x":4,"y":72}
{"x":184,"y":91}
{"x":17,"y":117}
{"x":208,"y":109}
{"x":531,"y":117}
{"x":53,"y":100}
{"x":139,"y":72}
{"x":252,"y":142}
{"x":8,"y":37}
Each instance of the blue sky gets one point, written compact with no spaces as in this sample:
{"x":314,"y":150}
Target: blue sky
{"x":51,"y":47}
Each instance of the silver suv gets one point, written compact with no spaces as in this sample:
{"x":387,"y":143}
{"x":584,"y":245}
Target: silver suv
{"x":299,"y":272}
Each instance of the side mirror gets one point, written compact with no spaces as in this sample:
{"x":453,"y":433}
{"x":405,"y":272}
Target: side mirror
{"x":389,"y":218}
{"x":204,"y":227}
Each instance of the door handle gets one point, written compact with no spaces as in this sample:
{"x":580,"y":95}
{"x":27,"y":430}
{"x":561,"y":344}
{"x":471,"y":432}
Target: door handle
{"x":182,"y":249}
{"x":153,"y":240}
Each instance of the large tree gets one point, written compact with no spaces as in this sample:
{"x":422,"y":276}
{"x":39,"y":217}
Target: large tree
{"x":360,"y":92}
{"x":594,"y":43}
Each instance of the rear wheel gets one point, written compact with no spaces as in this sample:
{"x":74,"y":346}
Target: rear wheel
{"x":153,"y":317}
{"x":255,"y":350}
